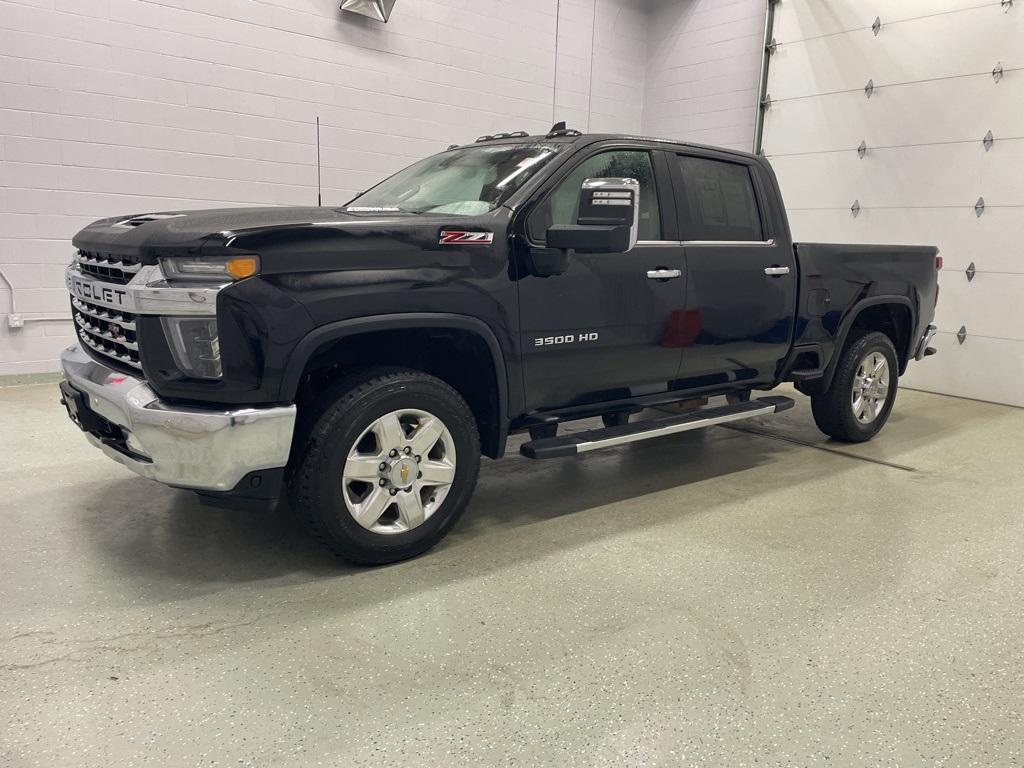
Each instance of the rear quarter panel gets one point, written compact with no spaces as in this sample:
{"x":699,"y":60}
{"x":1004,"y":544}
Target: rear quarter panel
{"x":837,"y":281}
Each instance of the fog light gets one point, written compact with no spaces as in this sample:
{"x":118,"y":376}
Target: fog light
{"x":194,"y":345}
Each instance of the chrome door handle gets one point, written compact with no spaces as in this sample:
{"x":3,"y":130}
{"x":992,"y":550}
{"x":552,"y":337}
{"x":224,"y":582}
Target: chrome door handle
{"x":664,"y":274}
{"x":776,"y":271}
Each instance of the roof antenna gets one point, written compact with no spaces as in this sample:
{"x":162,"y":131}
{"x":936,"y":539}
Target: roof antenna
{"x":319,"y":201}
{"x":559,"y":126}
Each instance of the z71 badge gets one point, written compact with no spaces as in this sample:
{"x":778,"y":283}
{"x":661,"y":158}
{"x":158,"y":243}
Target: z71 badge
{"x":455,"y":237}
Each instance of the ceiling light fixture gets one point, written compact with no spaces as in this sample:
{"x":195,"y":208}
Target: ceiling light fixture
{"x":380,"y":10}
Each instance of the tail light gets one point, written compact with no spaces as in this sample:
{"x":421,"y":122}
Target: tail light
{"x":938,"y":266}
{"x":938,"y":263}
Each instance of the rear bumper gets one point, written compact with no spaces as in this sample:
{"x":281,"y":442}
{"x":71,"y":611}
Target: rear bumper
{"x":197,"y":448}
{"x":922,"y":345}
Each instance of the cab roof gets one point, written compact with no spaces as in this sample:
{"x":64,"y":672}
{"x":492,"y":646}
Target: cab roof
{"x":582,"y":139}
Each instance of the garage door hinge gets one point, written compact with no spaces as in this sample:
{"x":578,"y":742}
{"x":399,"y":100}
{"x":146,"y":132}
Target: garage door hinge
{"x":772,"y":47}
{"x":855,"y":208}
{"x":1006,"y":4}
{"x":869,"y":88}
{"x":877,"y":25}
{"x":766,"y":102}
{"x":997,"y":71}
{"x":961,"y":335}
{"x":987,"y":141}
{"x":971,"y":272}
{"x":862,"y":149}
{"x":979,"y":207}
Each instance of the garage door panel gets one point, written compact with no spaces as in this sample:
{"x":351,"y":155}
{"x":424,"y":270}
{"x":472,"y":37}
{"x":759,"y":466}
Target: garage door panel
{"x":925,"y":166}
{"x":953,"y":175}
{"x":902,"y":53}
{"x":800,"y":19}
{"x":962,"y":109}
{"x":851,"y":178}
{"x":994,"y":242}
{"x":986,"y":306}
{"x":981,"y":368}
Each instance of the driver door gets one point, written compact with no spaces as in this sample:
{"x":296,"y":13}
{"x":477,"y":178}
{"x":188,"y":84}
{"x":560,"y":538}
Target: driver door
{"x":602,"y":330}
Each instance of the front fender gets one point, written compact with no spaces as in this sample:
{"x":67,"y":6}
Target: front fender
{"x":322,"y":337}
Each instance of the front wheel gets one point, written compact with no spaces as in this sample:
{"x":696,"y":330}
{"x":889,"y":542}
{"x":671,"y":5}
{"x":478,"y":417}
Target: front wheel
{"x":857,"y":404}
{"x":388,"y":467}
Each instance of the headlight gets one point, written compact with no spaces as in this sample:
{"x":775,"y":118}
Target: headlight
{"x":198,"y":269}
{"x":194,"y":345}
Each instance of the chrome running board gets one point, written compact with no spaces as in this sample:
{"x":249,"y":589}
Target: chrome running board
{"x":595,"y":439}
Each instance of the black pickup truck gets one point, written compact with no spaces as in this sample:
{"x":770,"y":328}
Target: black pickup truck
{"x":362,"y":358}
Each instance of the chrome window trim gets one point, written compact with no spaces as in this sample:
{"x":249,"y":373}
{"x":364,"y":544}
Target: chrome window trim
{"x":759,"y":243}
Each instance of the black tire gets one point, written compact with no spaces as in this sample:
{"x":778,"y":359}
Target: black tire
{"x":345,"y":412}
{"x":833,"y":408}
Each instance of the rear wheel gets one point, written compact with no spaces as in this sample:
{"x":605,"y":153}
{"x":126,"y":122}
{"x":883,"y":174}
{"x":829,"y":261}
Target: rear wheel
{"x":857,"y":404}
{"x":388,"y":467}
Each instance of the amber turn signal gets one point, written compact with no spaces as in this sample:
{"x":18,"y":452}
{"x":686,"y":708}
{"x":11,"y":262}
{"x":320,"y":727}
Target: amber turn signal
{"x":243,"y":266}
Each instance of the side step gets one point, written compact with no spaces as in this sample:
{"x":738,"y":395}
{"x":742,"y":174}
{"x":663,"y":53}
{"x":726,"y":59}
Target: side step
{"x":808,"y":374}
{"x":581,"y":442}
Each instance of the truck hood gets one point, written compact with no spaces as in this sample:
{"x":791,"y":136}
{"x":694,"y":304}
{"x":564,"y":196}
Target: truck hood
{"x":174,"y":232}
{"x":296,"y":240}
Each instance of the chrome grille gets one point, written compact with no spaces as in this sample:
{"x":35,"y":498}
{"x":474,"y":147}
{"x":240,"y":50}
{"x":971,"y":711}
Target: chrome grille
{"x":108,"y":332}
{"x":108,"y":267}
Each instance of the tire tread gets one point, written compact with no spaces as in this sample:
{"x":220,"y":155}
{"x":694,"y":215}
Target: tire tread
{"x":334,"y":407}
{"x":831,"y":408}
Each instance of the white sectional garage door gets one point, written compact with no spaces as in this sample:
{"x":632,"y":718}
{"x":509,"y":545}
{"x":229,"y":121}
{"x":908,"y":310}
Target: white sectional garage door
{"x":943,"y":74}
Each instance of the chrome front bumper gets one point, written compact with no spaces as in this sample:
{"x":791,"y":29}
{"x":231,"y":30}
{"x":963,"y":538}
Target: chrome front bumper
{"x":197,"y":448}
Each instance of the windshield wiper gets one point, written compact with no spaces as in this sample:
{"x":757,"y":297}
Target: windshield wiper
{"x":379,"y":209}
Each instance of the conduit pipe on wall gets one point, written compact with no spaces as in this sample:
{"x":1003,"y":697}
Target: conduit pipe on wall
{"x":15,"y":320}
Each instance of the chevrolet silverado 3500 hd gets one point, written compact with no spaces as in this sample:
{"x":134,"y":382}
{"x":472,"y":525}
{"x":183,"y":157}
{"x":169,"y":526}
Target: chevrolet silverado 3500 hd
{"x":362,"y":358}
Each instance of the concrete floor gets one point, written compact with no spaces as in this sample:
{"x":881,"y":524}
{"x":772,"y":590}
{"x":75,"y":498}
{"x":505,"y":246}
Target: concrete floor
{"x":717,"y":599}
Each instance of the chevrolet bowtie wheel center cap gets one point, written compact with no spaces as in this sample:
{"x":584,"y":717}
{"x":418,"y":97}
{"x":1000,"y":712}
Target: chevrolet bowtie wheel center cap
{"x":400,"y":473}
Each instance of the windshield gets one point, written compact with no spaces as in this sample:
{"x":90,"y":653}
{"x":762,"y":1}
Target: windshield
{"x":467,"y":181}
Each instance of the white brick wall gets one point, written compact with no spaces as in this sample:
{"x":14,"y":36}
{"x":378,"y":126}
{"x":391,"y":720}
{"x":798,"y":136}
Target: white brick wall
{"x":703,"y":70}
{"x":602,"y":61}
{"x":127,"y":106}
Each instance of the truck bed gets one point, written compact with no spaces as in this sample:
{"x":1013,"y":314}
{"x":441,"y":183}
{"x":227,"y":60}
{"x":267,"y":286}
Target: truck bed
{"x":840,"y":280}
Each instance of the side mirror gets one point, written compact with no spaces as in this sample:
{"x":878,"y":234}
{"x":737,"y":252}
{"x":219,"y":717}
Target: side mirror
{"x":608,"y":220}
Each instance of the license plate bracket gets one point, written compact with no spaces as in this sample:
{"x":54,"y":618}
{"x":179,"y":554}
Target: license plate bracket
{"x":77,"y":404}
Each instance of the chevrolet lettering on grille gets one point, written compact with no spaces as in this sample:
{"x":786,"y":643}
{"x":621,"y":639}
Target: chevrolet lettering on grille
{"x":98,"y":292}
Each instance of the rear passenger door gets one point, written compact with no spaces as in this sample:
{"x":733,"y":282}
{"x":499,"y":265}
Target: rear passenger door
{"x":740,"y":281}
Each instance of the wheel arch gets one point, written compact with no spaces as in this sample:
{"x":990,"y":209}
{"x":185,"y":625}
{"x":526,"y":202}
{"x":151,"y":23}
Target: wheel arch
{"x":316,"y":348}
{"x":892,"y":315}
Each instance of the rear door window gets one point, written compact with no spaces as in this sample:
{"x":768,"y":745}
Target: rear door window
{"x":719,"y":201}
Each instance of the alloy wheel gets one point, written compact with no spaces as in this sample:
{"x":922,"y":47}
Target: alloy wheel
{"x":870,"y":387}
{"x":399,"y":471}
